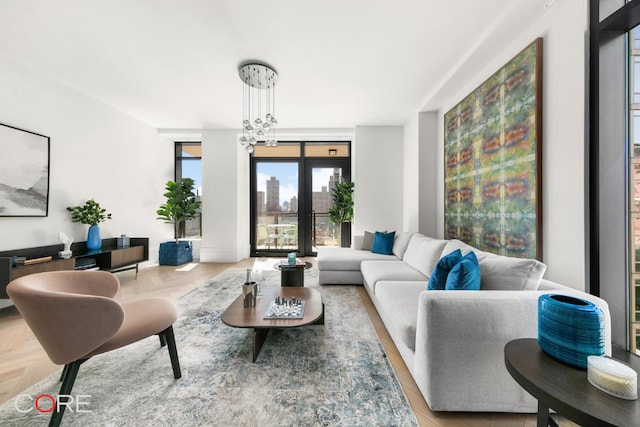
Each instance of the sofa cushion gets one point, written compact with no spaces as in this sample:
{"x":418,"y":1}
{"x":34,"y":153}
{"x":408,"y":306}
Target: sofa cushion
{"x":401,"y":243}
{"x":383,"y":242}
{"x":423,"y":253}
{"x":367,"y":241}
{"x":399,"y":301}
{"x":438,"y":279}
{"x":454,"y":244}
{"x":508,"y":273}
{"x":465,"y":275}
{"x":346,"y":259}
{"x":398,"y":271}
{"x":500,"y":272}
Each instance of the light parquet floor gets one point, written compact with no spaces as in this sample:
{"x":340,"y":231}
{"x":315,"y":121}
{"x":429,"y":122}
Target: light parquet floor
{"x":24,"y":363}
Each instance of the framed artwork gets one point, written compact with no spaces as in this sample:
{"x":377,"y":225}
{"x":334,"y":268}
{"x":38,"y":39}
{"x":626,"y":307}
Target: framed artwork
{"x":493,"y":159}
{"x":24,"y":172}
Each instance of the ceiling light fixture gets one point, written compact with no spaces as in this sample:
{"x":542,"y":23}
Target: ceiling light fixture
{"x":258,"y":97}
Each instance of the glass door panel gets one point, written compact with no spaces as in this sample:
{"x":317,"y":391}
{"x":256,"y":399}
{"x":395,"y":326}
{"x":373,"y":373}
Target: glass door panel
{"x":324,"y":233}
{"x":276,"y":206}
{"x":322,"y":181}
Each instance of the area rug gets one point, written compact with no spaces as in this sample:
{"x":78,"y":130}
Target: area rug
{"x":331,"y":375}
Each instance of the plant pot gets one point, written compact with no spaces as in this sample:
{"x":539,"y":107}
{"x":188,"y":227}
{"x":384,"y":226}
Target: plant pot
{"x":175,"y":253}
{"x":93,"y":238}
{"x":345,"y":234}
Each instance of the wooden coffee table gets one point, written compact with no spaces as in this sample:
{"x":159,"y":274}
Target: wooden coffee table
{"x":237,"y":316}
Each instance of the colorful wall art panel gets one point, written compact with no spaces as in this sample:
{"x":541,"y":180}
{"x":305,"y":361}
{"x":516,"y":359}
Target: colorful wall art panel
{"x":493,"y":158}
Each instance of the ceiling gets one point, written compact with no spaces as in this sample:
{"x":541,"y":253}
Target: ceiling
{"x":174,"y":64}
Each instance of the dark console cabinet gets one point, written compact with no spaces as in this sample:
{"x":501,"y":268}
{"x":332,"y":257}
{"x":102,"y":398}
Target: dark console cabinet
{"x":109,"y":257}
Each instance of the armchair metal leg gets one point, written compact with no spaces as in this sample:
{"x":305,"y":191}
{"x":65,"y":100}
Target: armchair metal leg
{"x":173,"y":352}
{"x":69,"y":378}
{"x":163,"y":340}
{"x":64,"y":371}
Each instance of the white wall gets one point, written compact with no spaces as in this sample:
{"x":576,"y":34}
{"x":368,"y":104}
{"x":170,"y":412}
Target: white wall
{"x":96,"y":152}
{"x":563,"y":28}
{"x":378,"y":175}
{"x":428,"y":176}
{"x":411,"y":176}
{"x":225,"y":188}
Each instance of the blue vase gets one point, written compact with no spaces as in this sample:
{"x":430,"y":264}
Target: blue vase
{"x":570,"y":329}
{"x":93,"y":238}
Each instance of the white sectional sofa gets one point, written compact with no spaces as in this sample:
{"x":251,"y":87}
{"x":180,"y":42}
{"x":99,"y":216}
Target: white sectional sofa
{"x":452,"y":341}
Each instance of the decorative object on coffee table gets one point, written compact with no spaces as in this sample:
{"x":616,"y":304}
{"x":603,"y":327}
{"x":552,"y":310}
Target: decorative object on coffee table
{"x":91,"y":214}
{"x":570,"y":329}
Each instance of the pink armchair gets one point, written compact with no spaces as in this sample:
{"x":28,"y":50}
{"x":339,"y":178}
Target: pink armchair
{"x":74,"y":317}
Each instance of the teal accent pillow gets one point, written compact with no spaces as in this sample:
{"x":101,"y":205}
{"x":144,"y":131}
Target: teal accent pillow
{"x":465,"y":275}
{"x":383,"y":243}
{"x":438,"y":279}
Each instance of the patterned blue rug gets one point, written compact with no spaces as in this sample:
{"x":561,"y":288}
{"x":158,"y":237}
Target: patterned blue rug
{"x":331,"y":375}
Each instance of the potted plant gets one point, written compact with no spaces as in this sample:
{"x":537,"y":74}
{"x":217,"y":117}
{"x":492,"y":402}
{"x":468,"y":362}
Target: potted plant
{"x":91,"y":214}
{"x":341,"y":211}
{"x":181,"y":205}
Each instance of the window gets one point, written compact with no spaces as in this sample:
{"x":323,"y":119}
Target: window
{"x":189,"y":165}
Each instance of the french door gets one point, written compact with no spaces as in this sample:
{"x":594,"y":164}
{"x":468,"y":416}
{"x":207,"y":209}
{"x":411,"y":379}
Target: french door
{"x":291,"y":193}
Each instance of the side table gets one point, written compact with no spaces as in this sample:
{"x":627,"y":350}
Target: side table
{"x":565,"y":389}
{"x":292,"y":275}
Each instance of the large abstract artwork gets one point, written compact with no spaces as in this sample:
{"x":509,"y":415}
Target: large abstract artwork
{"x":492,"y":154}
{"x":24,"y":172}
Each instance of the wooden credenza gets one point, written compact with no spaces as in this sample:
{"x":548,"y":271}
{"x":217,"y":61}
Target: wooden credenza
{"x":109,"y":257}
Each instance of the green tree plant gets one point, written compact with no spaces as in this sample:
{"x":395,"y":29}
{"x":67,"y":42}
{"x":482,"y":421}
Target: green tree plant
{"x":342,"y":208}
{"x":181,"y":204}
{"x":91,"y":213}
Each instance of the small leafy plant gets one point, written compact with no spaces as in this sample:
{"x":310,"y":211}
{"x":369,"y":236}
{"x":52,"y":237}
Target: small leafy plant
{"x":342,"y":208}
{"x":91,"y":213}
{"x":181,"y":204}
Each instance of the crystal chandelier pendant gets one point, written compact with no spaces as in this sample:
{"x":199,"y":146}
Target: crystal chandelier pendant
{"x":259,"y":81}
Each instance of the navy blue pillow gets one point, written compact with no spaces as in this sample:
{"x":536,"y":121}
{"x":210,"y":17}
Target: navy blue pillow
{"x":438,"y":279}
{"x":383,"y":243}
{"x":465,"y":275}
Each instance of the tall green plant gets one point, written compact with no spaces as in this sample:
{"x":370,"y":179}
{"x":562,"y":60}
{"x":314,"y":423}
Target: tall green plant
{"x":181,"y":204}
{"x":342,"y":208}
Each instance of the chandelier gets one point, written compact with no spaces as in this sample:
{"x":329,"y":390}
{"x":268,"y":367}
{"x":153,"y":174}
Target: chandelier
{"x":258,"y":104}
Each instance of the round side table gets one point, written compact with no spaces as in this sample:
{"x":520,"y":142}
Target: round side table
{"x":292,"y":275}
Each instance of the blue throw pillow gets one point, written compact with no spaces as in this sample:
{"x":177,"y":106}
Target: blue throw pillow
{"x":383,"y":243}
{"x":465,"y":275}
{"x":438,"y":279}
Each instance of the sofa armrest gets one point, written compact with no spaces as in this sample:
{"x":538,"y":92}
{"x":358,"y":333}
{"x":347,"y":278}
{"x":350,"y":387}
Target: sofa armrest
{"x":460,"y":339}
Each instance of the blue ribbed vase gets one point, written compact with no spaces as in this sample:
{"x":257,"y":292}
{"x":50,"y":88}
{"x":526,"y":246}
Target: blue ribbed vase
{"x":93,"y":238}
{"x":570,"y":329}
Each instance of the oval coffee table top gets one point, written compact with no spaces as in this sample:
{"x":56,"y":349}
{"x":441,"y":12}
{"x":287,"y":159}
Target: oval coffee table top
{"x":239,"y":317}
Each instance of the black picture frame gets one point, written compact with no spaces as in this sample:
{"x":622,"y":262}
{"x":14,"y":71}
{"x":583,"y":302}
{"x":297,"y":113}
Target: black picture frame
{"x":24,"y":173}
